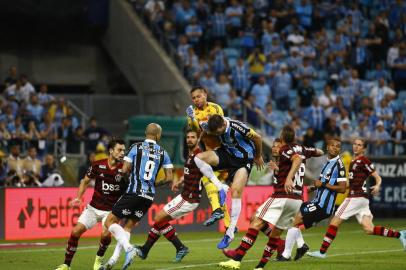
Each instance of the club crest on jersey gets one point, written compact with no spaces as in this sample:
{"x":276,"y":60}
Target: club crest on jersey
{"x":102,"y":166}
{"x":126,"y":212}
{"x":342,"y":173}
{"x":118,"y":177}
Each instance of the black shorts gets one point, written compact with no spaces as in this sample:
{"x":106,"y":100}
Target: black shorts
{"x":131,"y":206}
{"x":312,"y":213}
{"x":231,"y":163}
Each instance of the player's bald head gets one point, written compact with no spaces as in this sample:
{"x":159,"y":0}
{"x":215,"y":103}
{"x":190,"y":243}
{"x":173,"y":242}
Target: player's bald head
{"x":153,"y":131}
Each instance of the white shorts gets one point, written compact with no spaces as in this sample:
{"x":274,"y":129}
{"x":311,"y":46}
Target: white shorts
{"x":279,"y":212}
{"x":354,"y":206}
{"x":91,"y":216}
{"x":179,"y":207}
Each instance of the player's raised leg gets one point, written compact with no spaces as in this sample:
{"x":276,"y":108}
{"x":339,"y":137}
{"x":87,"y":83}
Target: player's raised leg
{"x":371,"y":229}
{"x":237,"y":187}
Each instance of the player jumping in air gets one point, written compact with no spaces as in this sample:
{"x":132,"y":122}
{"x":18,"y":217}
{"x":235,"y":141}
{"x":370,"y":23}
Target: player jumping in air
{"x":357,"y":203}
{"x":143,"y":163}
{"x":332,"y":180}
{"x":240,"y":148}
{"x":109,"y":186}
{"x":181,"y":205}
{"x":198,"y":115}
{"x":278,"y":211}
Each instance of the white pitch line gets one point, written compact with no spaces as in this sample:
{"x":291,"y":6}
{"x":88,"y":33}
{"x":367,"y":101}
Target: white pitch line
{"x":333,"y":255}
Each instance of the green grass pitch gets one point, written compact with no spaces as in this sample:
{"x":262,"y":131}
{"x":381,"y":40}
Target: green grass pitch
{"x":352,"y":249}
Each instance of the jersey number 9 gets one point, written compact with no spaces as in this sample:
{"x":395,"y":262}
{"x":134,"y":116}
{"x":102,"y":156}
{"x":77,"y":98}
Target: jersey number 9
{"x":149,"y":170}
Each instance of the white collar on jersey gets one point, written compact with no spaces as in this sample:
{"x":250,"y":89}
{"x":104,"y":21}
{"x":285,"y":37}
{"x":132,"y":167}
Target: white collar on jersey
{"x":149,"y":140}
{"x":228,"y":124}
{"x":335,"y":158}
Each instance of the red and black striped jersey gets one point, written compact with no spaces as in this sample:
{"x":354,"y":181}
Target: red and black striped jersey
{"x":285,"y":163}
{"x":109,"y":184}
{"x":192,"y":187}
{"x":360,"y":169}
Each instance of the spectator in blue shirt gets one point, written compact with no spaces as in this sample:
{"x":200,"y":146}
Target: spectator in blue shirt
{"x":262,"y":92}
{"x":218,"y":22}
{"x":268,"y":35}
{"x":272,"y":120}
{"x":304,"y":11}
{"x":234,"y":105}
{"x":271,"y":68}
{"x":35,"y":109}
{"x":252,"y":111}
{"x":219,"y":59}
{"x":182,"y":47}
{"x":282,"y":86}
{"x":194,"y":33}
{"x":16,"y":129}
{"x":315,"y":117}
{"x":184,"y":14}
{"x":234,"y":13}
{"x":208,"y":80}
{"x":221,"y":90}
{"x":347,"y":93}
{"x":380,"y":138}
{"x":241,"y":77}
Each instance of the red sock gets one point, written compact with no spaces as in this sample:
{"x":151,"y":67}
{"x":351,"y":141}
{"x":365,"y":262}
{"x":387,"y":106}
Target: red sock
{"x":281,"y":246}
{"x":170,"y":233}
{"x":153,"y":236}
{"x":246,"y":243}
{"x":383,"y":231}
{"x":328,"y":238}
{"x":269,"y":249}
{"x":71,"y":249}
{"x":104,"y":244}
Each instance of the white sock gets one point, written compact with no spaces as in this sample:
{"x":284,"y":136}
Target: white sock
{"x":121,"y":236}
{"x":290,"y":241}
{"x":299,"y":239}
{"x":117,"y":251}
{"x":207,"y":171}
{"x":235,"y":214}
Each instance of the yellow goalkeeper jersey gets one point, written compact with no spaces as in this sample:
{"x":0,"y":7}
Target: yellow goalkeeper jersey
{"x":202,"y":115}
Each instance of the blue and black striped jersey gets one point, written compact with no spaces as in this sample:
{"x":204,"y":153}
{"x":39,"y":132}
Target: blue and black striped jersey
{"x":146,"y":159}
{"x":236,"y":139}
{"x":332,"y":173}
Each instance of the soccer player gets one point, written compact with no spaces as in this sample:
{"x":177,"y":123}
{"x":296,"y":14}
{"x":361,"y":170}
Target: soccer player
{"x":357,"y":203}
{"x":198,"y":115}
{"x":181,"y":205}
{"x":279,"y":210}
{"x":143,"y":162}
{"x":109,"y":186}
{"x":332,"y":180}
{"x":240,"y":148}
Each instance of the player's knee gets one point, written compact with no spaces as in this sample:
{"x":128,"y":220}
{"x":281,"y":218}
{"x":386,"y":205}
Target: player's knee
{"x":236,"y":193}
{"x":77,"y":231}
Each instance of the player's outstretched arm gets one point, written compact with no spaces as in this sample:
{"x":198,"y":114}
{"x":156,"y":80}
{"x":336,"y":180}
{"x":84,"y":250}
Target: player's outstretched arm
{"x":258,"y":160}
{"x":378,"y":182}
{"x":319,"y":153}
{"x":82,"y":188}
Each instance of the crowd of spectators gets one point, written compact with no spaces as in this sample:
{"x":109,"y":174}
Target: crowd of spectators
{"x":32,"y":124}
{"x":331,"y":68}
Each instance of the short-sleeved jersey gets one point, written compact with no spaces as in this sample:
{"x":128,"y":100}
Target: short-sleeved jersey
{"x":202,"y":115}
{"x":360,"y":169}
{"x":237,"y":139}
{"x":286,"y":153}
{"x":109,"y":184}
{"x":192,"y":185}
{"x":146,"y":159}
{"x":332,"y":173}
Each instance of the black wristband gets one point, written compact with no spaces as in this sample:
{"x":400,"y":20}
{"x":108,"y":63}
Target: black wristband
{"x":323,"y":184}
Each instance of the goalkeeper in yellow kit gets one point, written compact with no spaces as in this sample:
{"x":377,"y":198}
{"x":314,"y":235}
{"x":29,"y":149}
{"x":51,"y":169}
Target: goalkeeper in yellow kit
{"x":198,"y":115}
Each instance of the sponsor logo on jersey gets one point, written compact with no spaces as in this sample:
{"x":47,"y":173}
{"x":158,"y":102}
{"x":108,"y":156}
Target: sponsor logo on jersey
{"x":126,"y":212}
{"x":110,"y":187}
{"x":102,"y":167}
